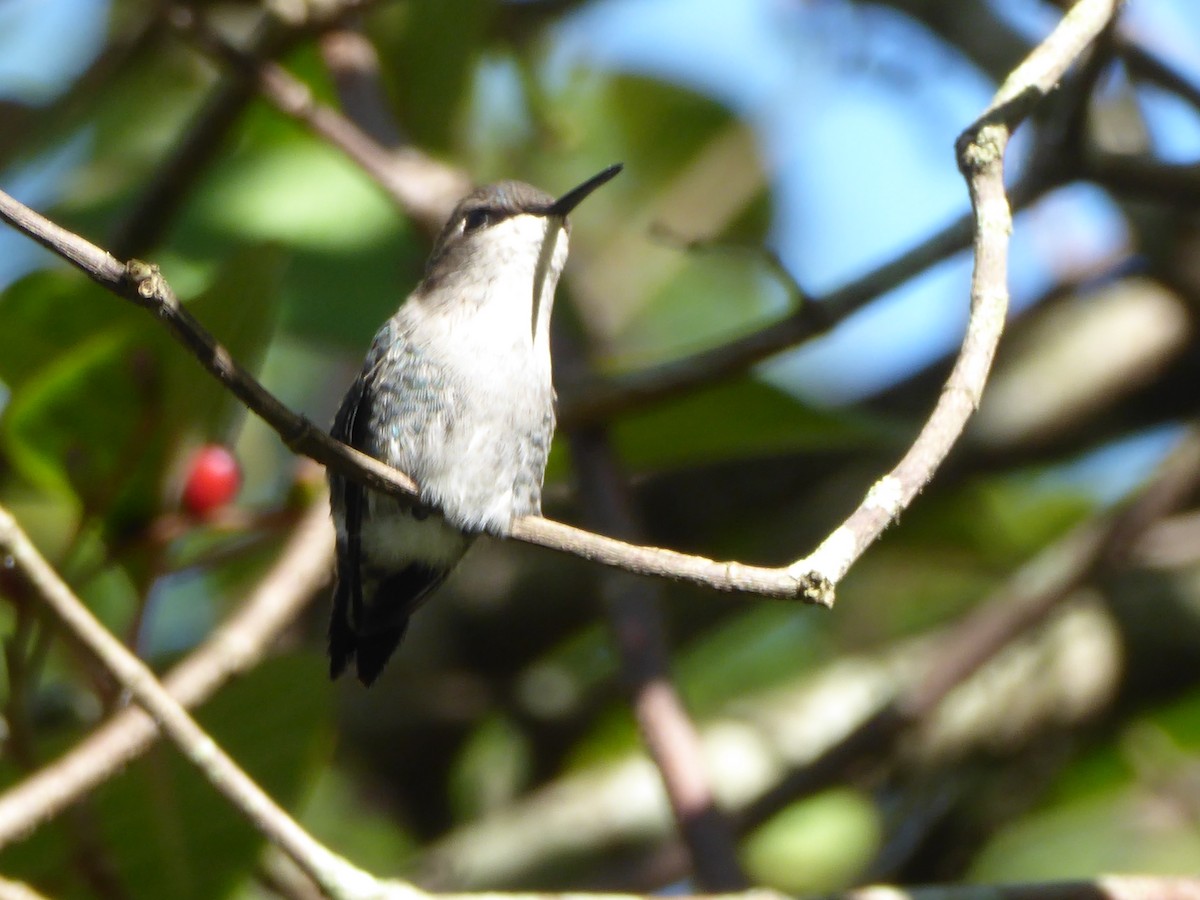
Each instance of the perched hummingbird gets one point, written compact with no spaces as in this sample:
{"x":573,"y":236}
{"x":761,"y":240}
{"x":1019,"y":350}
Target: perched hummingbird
{"x":456,"y":392}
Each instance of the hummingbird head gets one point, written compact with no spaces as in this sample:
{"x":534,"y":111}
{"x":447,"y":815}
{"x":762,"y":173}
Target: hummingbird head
{"x":504,"y":235}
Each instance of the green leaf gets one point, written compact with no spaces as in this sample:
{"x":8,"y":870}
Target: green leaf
{"x":737,"y":420}
{"x":303,"y":194}
{"x":1113,"y":832}
{"x":662,"y":125}
{"x":240,"y":309}
{"x":46,"y":314}
{"x":102,"y":393}
{"x":431,"y":62}
{"x":711,"y":297}
{"x":352,"y":258}
{"x":750,"y":651}
{"x":491,"y":768}
{"x":85,"y":422}
{"x":818,"y":844}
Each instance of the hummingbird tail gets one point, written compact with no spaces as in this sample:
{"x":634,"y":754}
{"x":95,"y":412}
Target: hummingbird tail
{"x":372,"y":651}
{"x":373,"y":634}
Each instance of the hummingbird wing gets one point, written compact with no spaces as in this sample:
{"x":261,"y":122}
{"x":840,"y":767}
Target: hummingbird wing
{"x":373,"y":600}
{"x":350,"y":497}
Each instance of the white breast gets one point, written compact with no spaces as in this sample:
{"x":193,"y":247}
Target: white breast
{"x":496,"y":350}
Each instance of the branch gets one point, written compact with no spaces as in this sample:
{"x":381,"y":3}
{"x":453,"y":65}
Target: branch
{"x":335,"y":875}
{"x":980,"y":152}
{"x":638,"y":631}
{"x":352,"y":62}
{"x":421,"y":186}
{"x":301,"y":569}
{"x":280,"y":29}
{"x":981,"y":156}
{"x":15,"y":890}
{"x":601,"y":400}
{"x":426,"y":190}
{"x":1025,"y":601}
{"x":144,"y":285}
{"x":1106,"y":887}
{"x":968,"y":687}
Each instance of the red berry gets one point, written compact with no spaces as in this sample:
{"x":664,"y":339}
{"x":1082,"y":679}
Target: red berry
{"x":213,"y":479}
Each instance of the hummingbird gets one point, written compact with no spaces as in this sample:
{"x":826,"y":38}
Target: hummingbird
{"x":456,"y":392}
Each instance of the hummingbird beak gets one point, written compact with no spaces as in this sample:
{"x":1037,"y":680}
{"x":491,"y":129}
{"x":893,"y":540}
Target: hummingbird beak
{"x":572,"y":198}
{"x":558,"y":211}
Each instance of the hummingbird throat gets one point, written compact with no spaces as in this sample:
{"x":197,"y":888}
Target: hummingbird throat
{"x":543,"y":273}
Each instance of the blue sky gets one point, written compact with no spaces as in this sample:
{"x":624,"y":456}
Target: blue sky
{"x":823,"y":83}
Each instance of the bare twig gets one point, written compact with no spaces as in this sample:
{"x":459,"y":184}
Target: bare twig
{"x":879,"y":701}
{"x":1146,"y":65}
{"x":422,"y":187}
{"x":335,"y":875}
{"x":668,"y":732}
{"x":144,"y":225}
{"x":601,"y":400}
{"x":1107,"y":887}
{"x":352,"y":61}
{"x":143,"y":284}
{"x":981,"y":156}
{"x":236,"y":646}
{"x":1025,"y":601}
{"x":427,"y":190}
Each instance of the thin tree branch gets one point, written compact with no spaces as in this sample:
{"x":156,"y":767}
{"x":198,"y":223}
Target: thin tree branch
{"x":144,"y":226}
{"x":15,"y":890}
{"x":1170,"y":184}
{"x":1106,"y":887}
{"x":881,"y":702}
{"x":981,"y":157}
{"x":354,"y":65}
{"x":668,"y":732}
{"x":422,"y":187}
{"x":1144,"y":64}
{"x":143,"y":284}
{"x":980,"y":152}
{"x":333,"y":873}
{"x":301,"y":569}
{"x":1025,"y":601}
{"x":638,"y":629}
{"x":601,"y":399}
{"x":427,"y":190}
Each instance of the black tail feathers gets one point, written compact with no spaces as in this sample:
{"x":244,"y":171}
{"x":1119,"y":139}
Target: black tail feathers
{"x":369,"y":651}
{"x":374,"y":650}
{"x":371,"y":637}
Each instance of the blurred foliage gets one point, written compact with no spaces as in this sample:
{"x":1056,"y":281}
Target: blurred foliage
{"x":815,"y":845}
{"x":508,"y":684}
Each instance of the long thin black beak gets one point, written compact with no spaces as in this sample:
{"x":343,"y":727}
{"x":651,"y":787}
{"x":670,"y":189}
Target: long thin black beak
{"x":574,"y":197}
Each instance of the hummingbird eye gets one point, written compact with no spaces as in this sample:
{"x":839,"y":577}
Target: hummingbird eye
{"x":476,"y":219}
